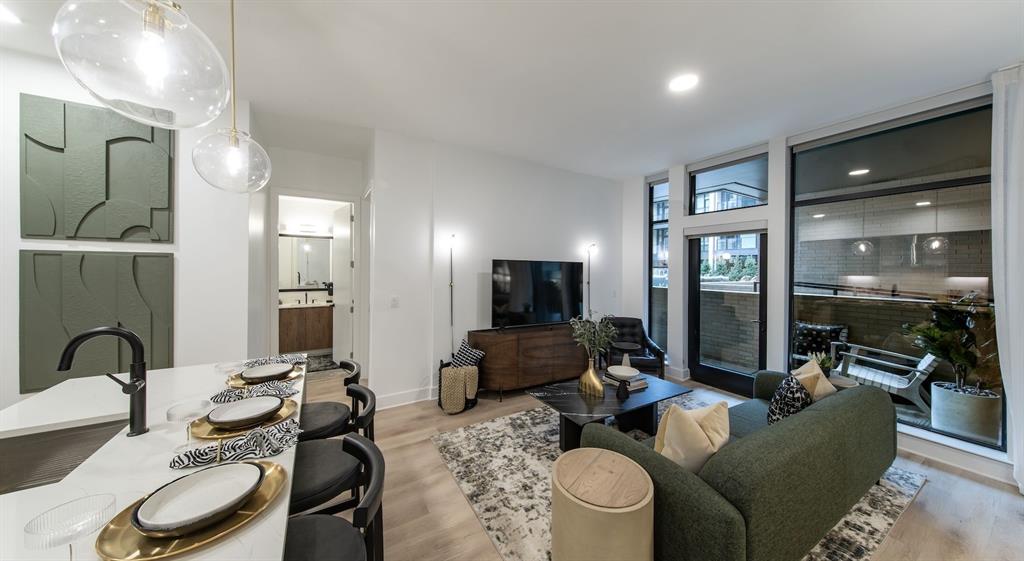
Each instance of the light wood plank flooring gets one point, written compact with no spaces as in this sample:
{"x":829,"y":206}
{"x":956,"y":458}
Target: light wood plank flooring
{"x":957,"y":516}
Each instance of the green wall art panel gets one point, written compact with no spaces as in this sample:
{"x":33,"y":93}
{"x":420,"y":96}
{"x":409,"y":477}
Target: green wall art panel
{"x":89,"y":173}
{"x":66,"y":292}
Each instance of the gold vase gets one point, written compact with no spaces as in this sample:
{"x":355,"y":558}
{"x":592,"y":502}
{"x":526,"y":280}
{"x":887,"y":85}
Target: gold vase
{"x":590,"y":382}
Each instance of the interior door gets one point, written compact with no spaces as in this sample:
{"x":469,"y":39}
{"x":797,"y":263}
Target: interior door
{"x":342,"y":267}
{"x":727,"y":309}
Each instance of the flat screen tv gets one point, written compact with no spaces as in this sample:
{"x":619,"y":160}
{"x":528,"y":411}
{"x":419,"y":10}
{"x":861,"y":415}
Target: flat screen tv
{"x":535,"y":292}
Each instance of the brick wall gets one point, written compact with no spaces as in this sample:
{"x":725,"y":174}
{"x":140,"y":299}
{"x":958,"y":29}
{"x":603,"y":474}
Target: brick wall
{"x":727,"y":333}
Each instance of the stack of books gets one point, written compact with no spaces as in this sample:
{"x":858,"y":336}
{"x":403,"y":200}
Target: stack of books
{"x":635,"y":383}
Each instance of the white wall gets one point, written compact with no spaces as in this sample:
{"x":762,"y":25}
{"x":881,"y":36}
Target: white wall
{"x":497,"y":207}
{"x":634,"y":240}
{"x":306,"y":171}
{"x":211,"y":234}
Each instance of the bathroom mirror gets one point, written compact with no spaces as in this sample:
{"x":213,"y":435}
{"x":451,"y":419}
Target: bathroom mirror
{"x":304,"y":262}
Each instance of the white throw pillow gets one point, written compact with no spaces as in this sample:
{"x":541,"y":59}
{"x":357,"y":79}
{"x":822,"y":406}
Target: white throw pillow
{"x":814,"y":380}
{"x":690,"y":437}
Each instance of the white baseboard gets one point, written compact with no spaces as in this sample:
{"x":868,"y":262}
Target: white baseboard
{"x":387,"y":401}
{"x":676,"y":374}
{"x":975,"y":459}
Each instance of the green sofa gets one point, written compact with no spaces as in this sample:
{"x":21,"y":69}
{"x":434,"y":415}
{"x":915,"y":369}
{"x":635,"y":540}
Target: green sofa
{"x":772,"y":492}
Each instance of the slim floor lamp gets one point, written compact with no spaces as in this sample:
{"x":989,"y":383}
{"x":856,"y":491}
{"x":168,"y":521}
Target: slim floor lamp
{"x":451,"y":291}
{"x":590,"y":250}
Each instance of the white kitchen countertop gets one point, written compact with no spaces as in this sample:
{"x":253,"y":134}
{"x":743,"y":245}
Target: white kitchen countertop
{"x":129,"y":467}
{"x":310,"y":305}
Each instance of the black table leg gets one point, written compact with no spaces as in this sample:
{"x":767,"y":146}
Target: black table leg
{"x":644,"y":418}
{"x":568,"y":434}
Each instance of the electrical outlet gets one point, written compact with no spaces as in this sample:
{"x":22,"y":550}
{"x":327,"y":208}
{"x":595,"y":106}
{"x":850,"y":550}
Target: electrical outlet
{"x":394,"y":303}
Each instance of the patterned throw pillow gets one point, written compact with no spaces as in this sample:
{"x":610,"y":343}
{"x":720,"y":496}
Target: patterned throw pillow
{"x":467,"y":356}
{"x":790,"y":398}
{"x":815,"y":338}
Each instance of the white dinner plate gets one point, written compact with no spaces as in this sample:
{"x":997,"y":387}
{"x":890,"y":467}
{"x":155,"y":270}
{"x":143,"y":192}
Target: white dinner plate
{"x":266,"y":373}
{"x":244,"y":412}
{"x":197,"y":500}
{"x":620,"y":372}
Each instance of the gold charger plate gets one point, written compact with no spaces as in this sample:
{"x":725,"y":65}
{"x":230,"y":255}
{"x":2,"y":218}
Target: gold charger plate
{"x":201,"y":428}
{"x":236,"y":381}
{"x":120,"y":541}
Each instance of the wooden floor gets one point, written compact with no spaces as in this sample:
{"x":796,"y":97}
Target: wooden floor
{"x":957,"y":516}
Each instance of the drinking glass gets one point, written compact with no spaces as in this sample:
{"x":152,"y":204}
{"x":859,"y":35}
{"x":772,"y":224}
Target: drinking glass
{"x":67,"y":523}
{"x":186,"y":412}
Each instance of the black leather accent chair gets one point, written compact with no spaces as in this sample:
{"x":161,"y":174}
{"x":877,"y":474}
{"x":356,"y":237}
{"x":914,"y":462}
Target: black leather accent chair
{"x":324,"y":419}
{"x":650,"y":359}
{"x":320,"y":536}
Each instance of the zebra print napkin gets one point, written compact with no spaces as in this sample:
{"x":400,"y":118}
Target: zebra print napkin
{"x":291,"y":358}
{"x":257,"y":443}
{"x":276,"y":388}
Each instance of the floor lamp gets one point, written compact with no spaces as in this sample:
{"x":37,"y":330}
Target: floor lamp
{"x":590,"y":252}
{"x":451,"y":290}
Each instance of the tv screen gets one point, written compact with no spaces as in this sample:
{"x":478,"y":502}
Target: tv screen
{"x":535,"y":292}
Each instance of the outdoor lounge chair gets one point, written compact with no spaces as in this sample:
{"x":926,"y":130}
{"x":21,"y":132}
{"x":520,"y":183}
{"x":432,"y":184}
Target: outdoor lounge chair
{"x":893,"y":377}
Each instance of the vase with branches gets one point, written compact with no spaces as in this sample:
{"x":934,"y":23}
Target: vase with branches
{"x":595,"y":337}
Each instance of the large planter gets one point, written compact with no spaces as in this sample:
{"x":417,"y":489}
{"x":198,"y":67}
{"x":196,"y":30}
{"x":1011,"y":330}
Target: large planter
{"x":973,"y":416}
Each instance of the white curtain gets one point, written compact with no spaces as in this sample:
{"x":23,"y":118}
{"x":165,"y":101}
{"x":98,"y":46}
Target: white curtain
{"x":1008,"y":248}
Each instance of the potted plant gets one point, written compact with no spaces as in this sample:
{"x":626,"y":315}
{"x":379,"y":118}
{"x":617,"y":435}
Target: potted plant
{"x":595,"y":337}
{"x":965,"y":407}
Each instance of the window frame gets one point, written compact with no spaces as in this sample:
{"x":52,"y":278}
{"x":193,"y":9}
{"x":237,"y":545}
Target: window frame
{"x":794,"y":205}
{"x":650,"y":183}
{"x":692,"y":186}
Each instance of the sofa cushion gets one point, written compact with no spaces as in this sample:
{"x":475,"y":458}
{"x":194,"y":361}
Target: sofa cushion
{"x":814,"y":380}
{"x":690,"y":437}
{"x":791,"y":398}
{"x":748,"y":417}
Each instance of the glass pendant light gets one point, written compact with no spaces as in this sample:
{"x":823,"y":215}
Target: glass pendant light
{"x":144,"y":59}
{"x":937,"y":244}
{"x":862,"y":247}
{"x":230,"y":159}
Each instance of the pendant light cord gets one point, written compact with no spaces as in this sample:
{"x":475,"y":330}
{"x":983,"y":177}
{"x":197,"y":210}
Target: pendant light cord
{"x":234,"y":91}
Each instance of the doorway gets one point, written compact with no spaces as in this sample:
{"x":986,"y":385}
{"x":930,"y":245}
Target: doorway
{"x":727,"y":309}
{"x":316,"y":279}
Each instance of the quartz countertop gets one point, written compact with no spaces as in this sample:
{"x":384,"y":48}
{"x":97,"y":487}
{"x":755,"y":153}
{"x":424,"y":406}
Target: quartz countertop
{"x":129,"y":467}
{"x":304,"y":305}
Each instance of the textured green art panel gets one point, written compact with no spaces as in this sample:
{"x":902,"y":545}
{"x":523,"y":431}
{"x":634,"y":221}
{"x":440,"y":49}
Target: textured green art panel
{"x":65,"y":293}
{"x":89,"y":173}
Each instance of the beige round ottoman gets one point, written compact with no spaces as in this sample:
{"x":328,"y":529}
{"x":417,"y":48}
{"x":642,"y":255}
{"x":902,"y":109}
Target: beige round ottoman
{"x":602,"y":508}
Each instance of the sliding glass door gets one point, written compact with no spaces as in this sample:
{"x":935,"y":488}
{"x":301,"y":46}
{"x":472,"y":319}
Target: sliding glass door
{"x":727,"y":309}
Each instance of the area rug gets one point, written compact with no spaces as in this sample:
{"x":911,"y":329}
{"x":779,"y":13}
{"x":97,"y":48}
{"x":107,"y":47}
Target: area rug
{"x":319,"y":363}
{"x":503,"y":466}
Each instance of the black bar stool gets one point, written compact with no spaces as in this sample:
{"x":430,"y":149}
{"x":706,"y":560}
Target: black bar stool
{"x":324,"y":470}
{"x":318,"y":537}
{"x":324,"y":419}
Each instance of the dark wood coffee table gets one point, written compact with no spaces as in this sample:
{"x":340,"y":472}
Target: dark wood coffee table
{"x":639,"y":411}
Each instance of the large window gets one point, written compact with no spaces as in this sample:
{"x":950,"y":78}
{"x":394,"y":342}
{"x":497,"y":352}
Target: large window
{"x":657,"y":312}
{"x":735,"y":185}
{"x":892,"y":230}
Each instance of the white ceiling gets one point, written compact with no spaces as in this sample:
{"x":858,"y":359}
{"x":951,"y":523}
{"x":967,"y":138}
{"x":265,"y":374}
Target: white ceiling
{"x":581,"y":85}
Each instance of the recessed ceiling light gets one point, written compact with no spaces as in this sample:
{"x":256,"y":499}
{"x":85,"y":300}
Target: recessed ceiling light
{"x":682,"y":83}
{"x":7,"y":16}
{"x":923,"y":203}
{"x":818,"y":216}
{"x":859,"y":171}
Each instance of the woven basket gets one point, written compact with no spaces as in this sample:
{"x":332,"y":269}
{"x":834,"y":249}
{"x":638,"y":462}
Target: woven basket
{"x":453,"y":390}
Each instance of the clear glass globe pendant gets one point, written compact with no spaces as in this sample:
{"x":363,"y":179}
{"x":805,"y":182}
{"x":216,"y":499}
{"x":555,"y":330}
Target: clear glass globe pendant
{"x":231,"y":160}
{"x":144,"y":59}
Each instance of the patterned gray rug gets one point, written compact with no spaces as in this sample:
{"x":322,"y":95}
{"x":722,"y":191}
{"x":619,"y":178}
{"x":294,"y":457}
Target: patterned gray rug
{"x":515,"y":507}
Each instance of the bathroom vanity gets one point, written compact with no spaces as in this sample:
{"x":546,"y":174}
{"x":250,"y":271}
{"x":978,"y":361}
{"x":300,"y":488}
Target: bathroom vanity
{"x":305,"y":327}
